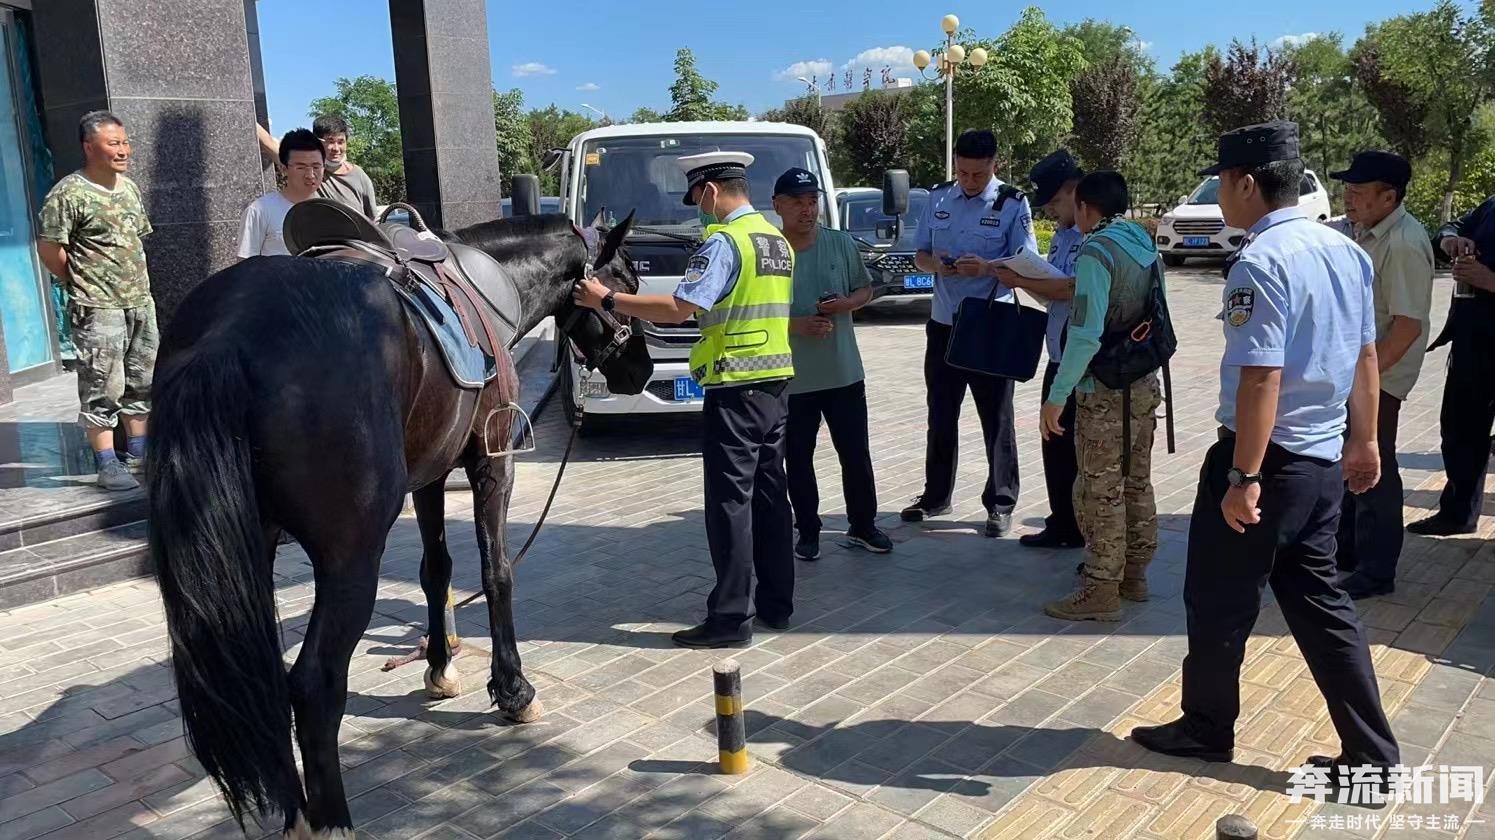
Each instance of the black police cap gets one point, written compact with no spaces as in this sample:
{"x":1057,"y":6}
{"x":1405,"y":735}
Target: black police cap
{"x":1254,"y":145}
{"x":1386,"y":167}
{"x":1051,"y":174}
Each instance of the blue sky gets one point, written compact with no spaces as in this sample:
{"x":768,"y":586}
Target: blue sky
{"x":618,"y":55}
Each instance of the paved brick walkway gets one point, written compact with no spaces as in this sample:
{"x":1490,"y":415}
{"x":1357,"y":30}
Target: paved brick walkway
{"x":918,"y":695}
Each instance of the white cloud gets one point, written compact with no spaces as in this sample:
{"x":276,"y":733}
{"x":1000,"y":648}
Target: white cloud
{"x":1142,"y":46}
{"x":532,"y":68}
{"x":1293,"y":40}
{"x":589,"y":87}
{"x":816,"y":68}
{"x":900,"y":58}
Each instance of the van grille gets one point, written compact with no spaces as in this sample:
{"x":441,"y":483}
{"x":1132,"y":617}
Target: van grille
{"x":1198,"y":227}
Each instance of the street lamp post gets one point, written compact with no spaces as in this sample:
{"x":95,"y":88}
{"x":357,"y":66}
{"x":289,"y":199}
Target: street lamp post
{"x":812,"y":84}
{"x":598,"y":111}
{"x":953,"y":56}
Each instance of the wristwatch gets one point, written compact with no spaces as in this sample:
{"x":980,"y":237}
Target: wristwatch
{"x":609,"y":301}
{"x":1238,"y":478}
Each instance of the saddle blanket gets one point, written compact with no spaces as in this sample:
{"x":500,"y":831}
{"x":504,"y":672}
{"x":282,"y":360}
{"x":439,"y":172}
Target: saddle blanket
{"x":469,"y":365}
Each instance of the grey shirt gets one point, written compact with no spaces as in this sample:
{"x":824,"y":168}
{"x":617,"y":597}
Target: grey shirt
{"x":354,"y":189}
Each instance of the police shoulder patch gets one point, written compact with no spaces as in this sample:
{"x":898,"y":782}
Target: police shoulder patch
{"x":1238,"y":305}
{"x":696,"y":267}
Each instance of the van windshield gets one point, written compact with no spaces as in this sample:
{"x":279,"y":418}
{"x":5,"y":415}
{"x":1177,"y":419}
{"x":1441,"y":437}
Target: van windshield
{"x":639,"y":174}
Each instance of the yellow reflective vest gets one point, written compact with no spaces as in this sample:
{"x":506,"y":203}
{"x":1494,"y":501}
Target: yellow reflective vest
{"x":745,"y":336}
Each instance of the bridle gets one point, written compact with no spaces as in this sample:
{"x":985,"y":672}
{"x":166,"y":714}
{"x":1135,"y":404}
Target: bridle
{"x":618,"y":332}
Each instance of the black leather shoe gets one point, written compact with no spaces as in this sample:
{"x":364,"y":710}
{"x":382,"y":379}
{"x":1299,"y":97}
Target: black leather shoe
{"x":1345,"y":777}
{"x":709,"y":635}
{"x":1173,"y":739}
{"x":921,"y":510}
{"x":1359,"y":586}
{"x":1438,"y":526}
{"x":1049,"y":538}
{"x":772,"y":623}
{"x":998,"y":524}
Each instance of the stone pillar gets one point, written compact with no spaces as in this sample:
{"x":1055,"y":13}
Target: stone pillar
{"x":446,"y":110}
{"x":261,"y":107}
{"x":178,"y":73}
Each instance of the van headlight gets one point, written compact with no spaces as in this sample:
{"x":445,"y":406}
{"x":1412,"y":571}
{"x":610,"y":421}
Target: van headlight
{"x":1166,"y":221}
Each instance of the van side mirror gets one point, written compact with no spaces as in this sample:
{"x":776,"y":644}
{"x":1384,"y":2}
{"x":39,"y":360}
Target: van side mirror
{"x":525,"y":194}
{"x":895,"y":192}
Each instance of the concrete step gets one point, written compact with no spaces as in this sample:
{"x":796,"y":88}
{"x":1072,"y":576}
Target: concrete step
{"x":39,"y":571}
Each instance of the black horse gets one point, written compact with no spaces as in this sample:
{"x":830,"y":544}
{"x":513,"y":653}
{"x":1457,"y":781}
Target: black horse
{"x":296,"y":394}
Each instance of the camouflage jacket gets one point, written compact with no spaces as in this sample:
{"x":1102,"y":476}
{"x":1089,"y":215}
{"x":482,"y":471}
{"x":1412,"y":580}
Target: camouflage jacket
{"x":100,"y":230}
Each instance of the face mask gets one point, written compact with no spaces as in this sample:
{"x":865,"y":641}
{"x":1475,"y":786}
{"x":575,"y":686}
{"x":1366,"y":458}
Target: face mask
{"x":706,"y":218}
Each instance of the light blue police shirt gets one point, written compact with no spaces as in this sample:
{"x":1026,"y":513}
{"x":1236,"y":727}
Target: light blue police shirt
{"x":1063,"y":250}
{"x":713,"y":268}
{"x":1299,"y":299}
{"x":956,"y":224}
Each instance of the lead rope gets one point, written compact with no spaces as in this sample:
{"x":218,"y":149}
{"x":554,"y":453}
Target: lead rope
{"x":420,"y":650}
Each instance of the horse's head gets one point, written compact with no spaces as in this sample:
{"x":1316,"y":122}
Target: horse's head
{"x":610,"y":343}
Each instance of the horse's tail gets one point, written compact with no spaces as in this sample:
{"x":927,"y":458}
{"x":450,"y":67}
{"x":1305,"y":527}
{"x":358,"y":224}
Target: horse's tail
{"x":215,"y":571}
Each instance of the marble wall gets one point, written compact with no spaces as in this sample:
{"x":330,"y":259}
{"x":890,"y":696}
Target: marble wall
{"x":444,"y":77}
{"x":179,"y":74}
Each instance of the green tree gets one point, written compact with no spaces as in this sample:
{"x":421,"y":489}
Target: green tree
{"x":873,"y":136}
{"x":372,"y":110}
{"x":1023,"y":91}
{"x":515,"y":155}
{"x":1247,"y":86}
{"x":1335,"y":120}
{"x":1441,"y":61}
{"x":1104,"y":41}
{"x":691,"y":94}
{"x":552,"y":128}
{"x":1106,"y":103}
{"x":646,"y":115}
{"x":805,"y":111}
{"x":1173,"y":143}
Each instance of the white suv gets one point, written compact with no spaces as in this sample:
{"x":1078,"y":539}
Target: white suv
{"x":1196,"y":228}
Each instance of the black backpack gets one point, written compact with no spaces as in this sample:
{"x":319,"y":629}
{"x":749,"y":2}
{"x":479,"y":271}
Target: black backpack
{"x":1129,"y":353}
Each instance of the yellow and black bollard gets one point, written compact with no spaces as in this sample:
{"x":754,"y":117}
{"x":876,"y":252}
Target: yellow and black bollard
{"x":731,"y":731}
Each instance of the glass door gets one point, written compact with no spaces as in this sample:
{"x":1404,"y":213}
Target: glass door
{"x":24,"y":294}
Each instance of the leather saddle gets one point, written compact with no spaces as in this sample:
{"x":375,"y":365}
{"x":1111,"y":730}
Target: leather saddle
{"x":473,"y":284}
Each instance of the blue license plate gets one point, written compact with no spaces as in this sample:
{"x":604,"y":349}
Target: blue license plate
{"x":1196,"y":241}
{"x":687,"y":389}
{"x":918,"y":281}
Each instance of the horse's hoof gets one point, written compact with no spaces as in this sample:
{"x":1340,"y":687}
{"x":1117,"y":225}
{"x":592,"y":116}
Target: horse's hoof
{"x":303,"y":831}
{"x":448,"y":685}
{"x":529,"y":714}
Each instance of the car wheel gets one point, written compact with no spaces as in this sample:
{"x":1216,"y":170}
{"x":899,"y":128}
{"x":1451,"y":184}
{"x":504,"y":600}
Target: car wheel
{"x":1174,"y":260}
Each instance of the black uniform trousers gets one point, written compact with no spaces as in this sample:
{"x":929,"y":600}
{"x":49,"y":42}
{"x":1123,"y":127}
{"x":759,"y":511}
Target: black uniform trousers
{"x":1370,"y":524}
{"x":1468,"y":409}
{"x":1292,"y":549}
{"x":945,"y":390}
{"x":845,"y":412}
{"x":748,"y":525}
{"x":1060,"y":466}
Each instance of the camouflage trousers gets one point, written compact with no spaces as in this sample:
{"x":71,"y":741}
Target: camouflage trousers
{"x":116,"y":360}
{"x":1118,"y":516}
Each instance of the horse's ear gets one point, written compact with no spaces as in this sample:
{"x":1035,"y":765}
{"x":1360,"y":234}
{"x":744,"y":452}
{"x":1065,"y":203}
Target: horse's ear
{"x":613,"y":241}
{"x":596,"y":221}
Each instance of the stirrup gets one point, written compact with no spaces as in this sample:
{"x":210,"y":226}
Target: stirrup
{"x":520,"y":443}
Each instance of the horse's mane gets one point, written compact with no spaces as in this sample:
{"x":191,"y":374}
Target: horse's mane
{"x":513,"y":237}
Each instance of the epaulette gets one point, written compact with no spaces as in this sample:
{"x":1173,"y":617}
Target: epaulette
{"x":942,"y":185}
{"x":1004,"y":193}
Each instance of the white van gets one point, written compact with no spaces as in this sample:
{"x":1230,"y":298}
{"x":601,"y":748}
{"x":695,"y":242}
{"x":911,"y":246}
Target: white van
{"x":1196,"y":227}
{"x":620,"y":169}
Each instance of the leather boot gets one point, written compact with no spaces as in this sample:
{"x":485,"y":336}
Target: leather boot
{"x":1092,"y":600}
{"x":1134,"y":583}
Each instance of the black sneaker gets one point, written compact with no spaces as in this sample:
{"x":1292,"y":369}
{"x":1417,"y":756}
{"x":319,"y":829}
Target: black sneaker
{"x":921,"y":510}
{"x":872,"y":540}
{"x":808,"y":547}
{"x":1049,"y":538}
